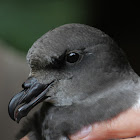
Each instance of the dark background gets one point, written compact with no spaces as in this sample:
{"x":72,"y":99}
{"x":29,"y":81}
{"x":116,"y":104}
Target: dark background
{"x":22,"y":22}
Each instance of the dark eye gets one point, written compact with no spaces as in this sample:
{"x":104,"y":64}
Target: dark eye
{"x":72,"y":57}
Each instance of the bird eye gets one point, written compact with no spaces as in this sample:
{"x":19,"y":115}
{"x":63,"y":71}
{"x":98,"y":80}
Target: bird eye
{"x":72,"y":57}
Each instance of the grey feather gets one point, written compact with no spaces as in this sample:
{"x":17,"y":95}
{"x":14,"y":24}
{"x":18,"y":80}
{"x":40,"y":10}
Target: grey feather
{"x":98,"y":87}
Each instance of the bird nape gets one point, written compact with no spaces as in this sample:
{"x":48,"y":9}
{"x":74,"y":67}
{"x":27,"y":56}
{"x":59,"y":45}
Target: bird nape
{"x":81,"y":76}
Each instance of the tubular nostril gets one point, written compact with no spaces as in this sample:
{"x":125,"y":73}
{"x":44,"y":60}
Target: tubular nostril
{"x":30,"y":81}
{"x":26,"y":85}
{"x":23,"y":85}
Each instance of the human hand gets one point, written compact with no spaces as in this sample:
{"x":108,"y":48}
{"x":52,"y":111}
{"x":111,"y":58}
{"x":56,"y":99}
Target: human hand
{"x":125,"y":126}
{"x":25,"y":138}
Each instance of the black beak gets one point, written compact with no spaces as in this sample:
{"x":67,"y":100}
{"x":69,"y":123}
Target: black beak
{"x":32,"y":94}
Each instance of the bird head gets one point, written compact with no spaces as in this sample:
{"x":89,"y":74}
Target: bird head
{"x":67,"y":65}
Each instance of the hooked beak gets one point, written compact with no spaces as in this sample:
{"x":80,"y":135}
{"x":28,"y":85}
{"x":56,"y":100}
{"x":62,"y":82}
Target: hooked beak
{"x":32,"y":94}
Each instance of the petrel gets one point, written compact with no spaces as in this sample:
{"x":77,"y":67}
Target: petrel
{"x":81,"y":76}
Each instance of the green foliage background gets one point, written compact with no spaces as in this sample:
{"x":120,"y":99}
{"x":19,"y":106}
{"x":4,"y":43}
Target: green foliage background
{"x":22,"y":22}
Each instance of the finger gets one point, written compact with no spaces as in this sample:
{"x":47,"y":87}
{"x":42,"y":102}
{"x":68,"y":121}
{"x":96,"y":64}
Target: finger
{"x":125,"y":125}
{"x":131,"y":139}
{"x":25,"y":138}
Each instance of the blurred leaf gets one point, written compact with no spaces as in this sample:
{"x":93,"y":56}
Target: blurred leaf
{"x":22,"y":22}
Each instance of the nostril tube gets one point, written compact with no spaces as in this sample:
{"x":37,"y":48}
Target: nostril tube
{"x":26,"y":85}
{"x":23,"y":85}
{"x":29,"y":82}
